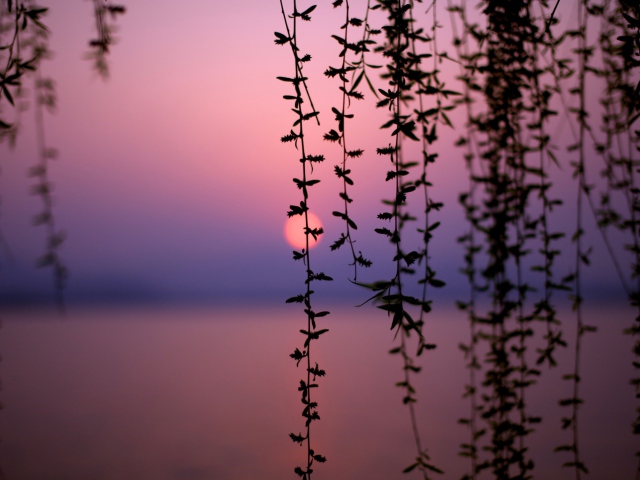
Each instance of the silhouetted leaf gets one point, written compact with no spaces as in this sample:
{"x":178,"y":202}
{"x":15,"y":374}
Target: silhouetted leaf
{"x":281,"y":39}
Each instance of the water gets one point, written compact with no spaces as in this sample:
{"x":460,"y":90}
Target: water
{"x":141,"y":393}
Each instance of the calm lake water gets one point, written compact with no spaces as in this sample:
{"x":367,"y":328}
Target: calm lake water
{"x":185,"y":393}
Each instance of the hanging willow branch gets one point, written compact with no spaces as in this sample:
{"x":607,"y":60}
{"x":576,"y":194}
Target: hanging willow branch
{"x":105,"y":16}
{"x":403,"y":74}
{"x":46,"y":99}
{"x":340,"y":136}
{"x":311,"y":333}
{"x":21,"y":33}
{"x":513,"y":84}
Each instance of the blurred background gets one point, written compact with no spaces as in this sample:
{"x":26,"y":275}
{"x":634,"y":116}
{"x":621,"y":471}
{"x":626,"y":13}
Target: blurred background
{"x":172,"y":184}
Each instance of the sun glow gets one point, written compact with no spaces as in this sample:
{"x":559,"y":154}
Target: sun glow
{"x":294,"y":230}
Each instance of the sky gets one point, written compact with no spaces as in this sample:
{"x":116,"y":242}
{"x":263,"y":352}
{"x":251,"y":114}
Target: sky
{"x":172,"y":183}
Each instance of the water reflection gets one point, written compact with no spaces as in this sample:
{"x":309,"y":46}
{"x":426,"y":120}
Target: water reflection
{"x":211,"y":394}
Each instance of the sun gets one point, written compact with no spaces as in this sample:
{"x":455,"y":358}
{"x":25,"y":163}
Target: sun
{"x":294,"y":230}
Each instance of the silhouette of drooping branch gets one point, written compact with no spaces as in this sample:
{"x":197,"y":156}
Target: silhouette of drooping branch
{"x":297,"y":135}
{"x":105,"y":14}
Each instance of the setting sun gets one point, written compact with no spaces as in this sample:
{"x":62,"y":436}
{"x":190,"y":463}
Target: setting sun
{"x":294,"y":230}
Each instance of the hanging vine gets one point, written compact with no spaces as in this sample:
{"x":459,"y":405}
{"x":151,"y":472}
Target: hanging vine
{"x":29,"y":37}
{"x":542,"y":95}
{"x":512,"y":83}
{"x":403,"y":75}
{"x":46,"y":100}
{"x":620,"y":43}
{"x":20,"y":29}
{"x":582,"y":254}
{"x":340,"y":136}
{"x":105,"y":15}
{"x":470,"y":83}
{"x":27,"y":45}
{"x":503,"y":64}
{"x":297,"y":136}
{"x":501,"y":152}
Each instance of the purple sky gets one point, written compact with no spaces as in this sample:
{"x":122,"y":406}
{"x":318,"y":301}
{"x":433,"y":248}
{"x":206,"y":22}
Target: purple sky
{"x":172,"y":181}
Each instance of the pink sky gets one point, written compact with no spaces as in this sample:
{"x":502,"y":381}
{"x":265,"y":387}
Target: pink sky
{"x":171,"y":174}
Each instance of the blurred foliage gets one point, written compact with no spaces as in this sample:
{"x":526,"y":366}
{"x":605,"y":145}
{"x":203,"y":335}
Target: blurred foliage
{"x":24,"y":44}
